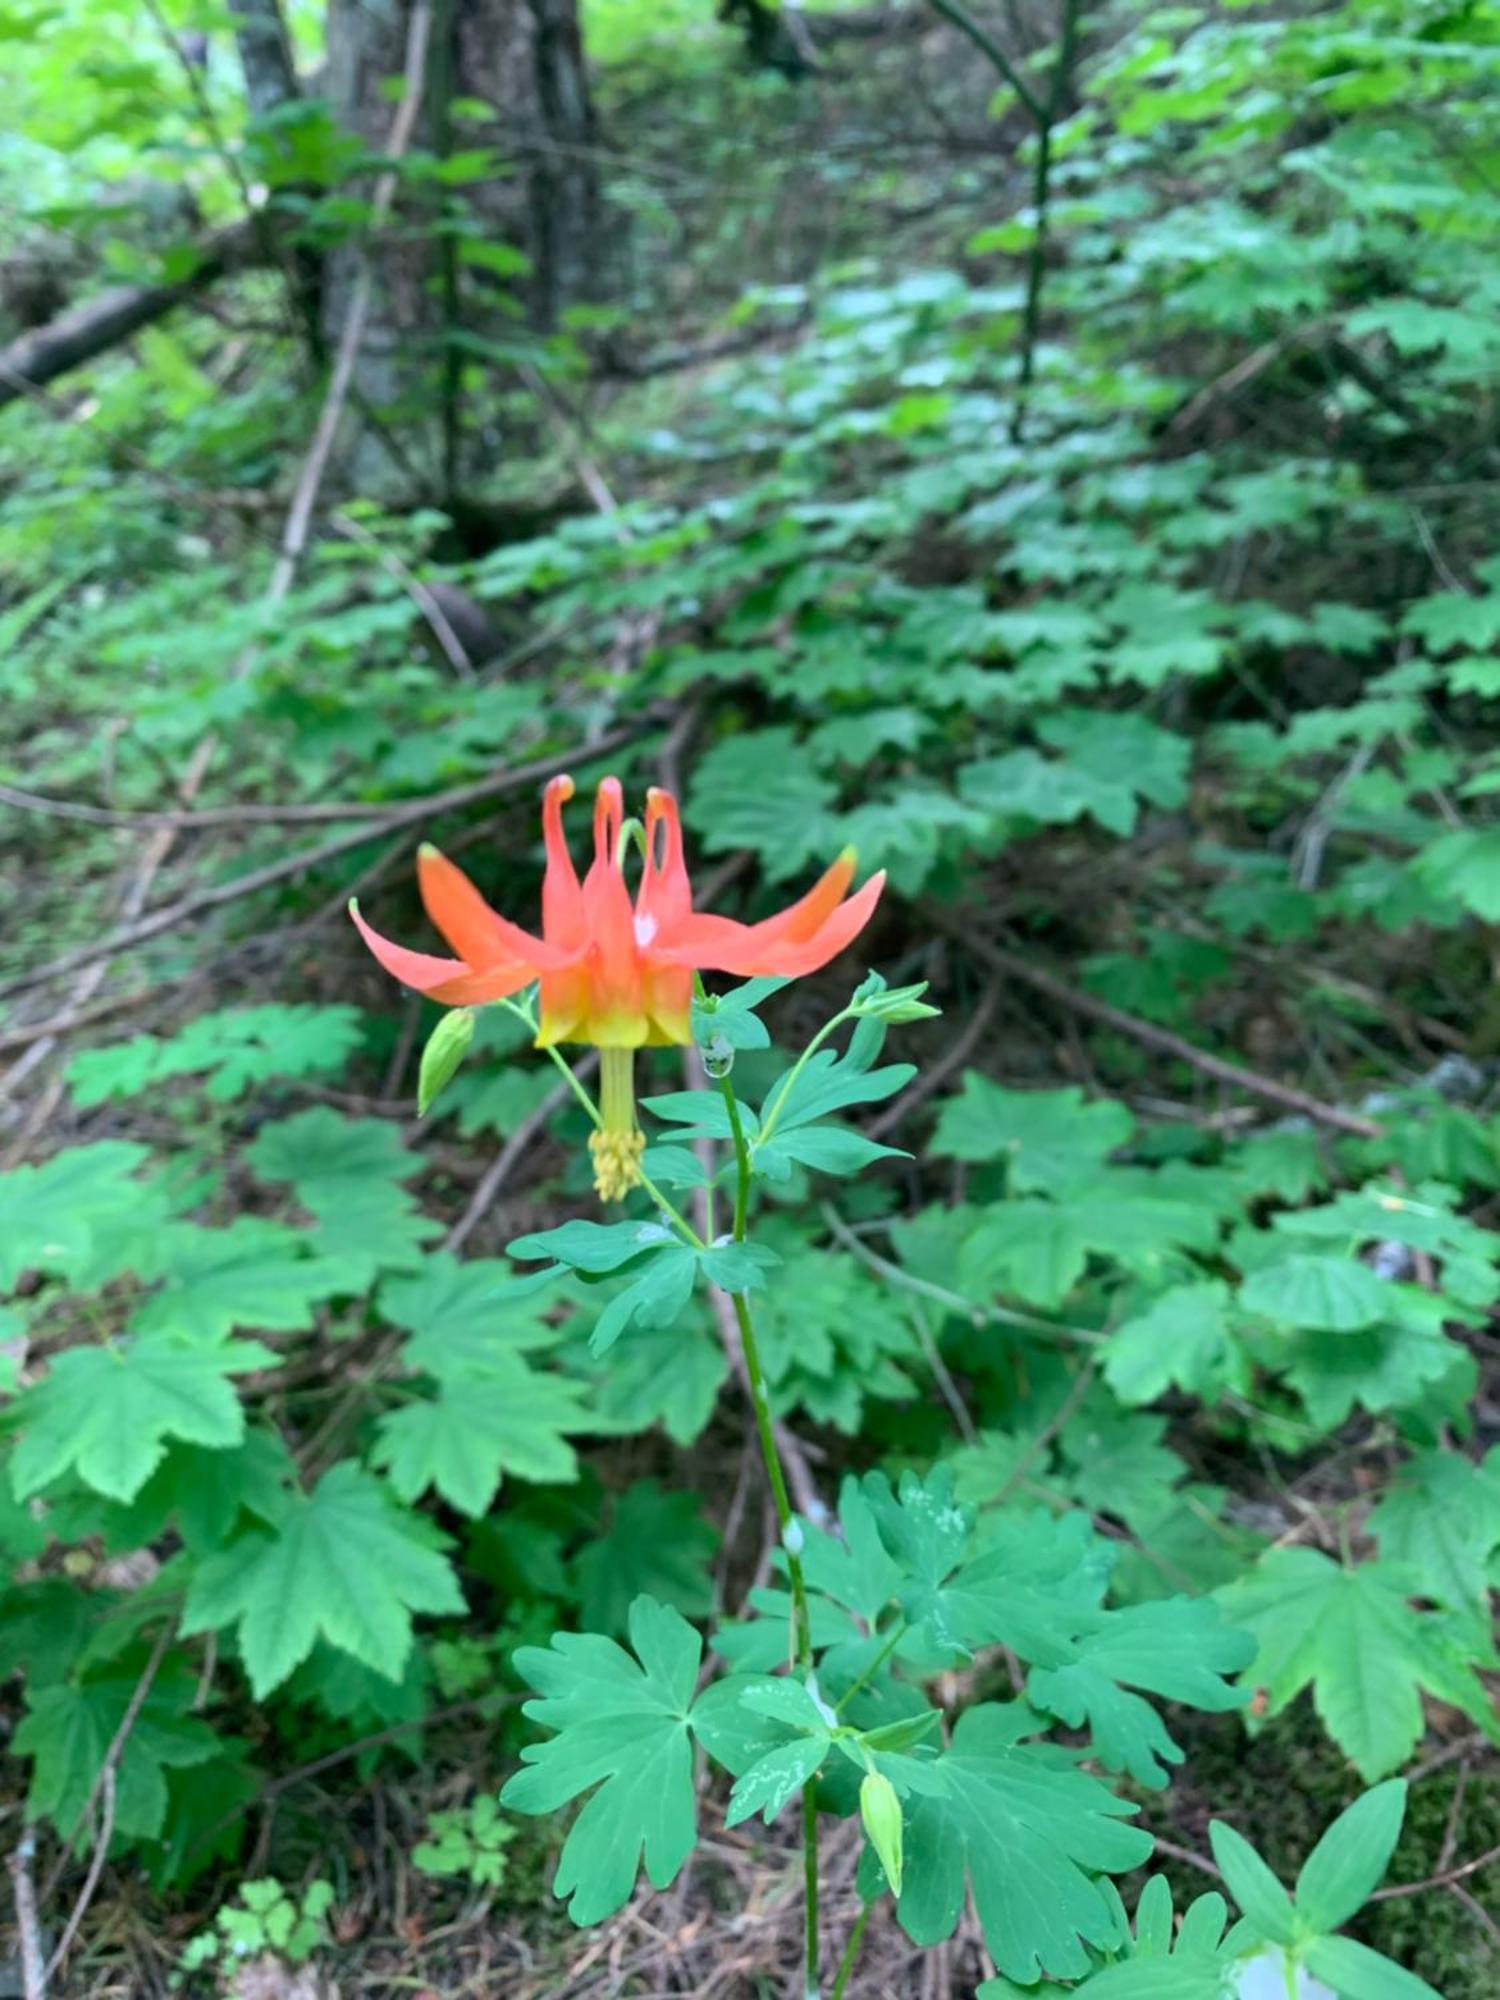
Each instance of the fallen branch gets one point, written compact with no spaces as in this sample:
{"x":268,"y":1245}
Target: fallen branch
{"x":504,"y":1163}
{"x":380,"y":822}
{"x":86,"y":331}
{"x":937,"y":1073}
{"x":1011,"y":965}
{"x":1444,"y":1880}
{"x":28,"y":1931}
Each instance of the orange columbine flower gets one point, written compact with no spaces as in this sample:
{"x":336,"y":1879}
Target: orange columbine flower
{"x":612,"y":972}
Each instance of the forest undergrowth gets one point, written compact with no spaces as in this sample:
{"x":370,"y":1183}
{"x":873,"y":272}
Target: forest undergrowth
{"x":1057,"y":459}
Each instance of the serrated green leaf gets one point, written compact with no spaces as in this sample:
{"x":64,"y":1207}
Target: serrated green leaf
{"x":1051,"y":1138}
{"x":107,"y":1412}
{"x":476,"y":1429}
{"x":345,"y":1562}
{"x":1323,"y":1294}
{"x":1353,"y":1636}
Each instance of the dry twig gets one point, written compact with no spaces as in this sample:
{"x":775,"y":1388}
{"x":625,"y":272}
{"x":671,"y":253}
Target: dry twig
{"x":1011,"y":965}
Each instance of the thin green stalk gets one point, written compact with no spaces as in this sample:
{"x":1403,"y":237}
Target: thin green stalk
{"x":991,"y":49}
{"x":892,"y":1640}
{"x":765,"y":1429}
{"x":784,"y":1093}
{"x":851,"y":1952}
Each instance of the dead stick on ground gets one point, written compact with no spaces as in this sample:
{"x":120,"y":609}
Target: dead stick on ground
{"x":33,"y":1970}
{"x":380,"y":825}
{"x":96,"y":1869}
{"x":298,"y":520}
{"x":503,"y":1165}
{"x":116,"y":1748}
{"x":1011,"y":965}
{"x":1443,"y":1881}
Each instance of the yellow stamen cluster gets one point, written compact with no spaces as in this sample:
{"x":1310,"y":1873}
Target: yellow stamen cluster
{"x":617,"y":1162}
{"x":616,"y":1147}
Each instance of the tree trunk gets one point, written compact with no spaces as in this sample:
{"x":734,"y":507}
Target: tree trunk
{"x":265,"y":49}
{"x":524,"y":59}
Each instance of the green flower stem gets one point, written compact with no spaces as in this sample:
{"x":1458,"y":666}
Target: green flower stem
{"x":892,"y":1640}
{"x":761,"y":1403}
{"x":783,"y":1095}
{"x":851,"y":1952}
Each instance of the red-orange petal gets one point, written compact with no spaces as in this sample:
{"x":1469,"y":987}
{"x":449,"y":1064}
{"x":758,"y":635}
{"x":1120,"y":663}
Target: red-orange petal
{"x":446,"y":980}
{"x":665,"y":897}
{"x":776,"y":948}
{"x":481,"y":936}
{"x":562,"y":894}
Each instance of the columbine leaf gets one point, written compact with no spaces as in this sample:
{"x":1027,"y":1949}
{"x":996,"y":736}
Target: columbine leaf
{"x":1028,"y":1830}
{"x":778,"y":1776}
{"x":345,"y":1562}
{"x":108,"y":1411}
{"x":622,"y":1725}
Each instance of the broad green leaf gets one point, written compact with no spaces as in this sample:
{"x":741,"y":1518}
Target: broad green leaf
{"x":1441,"y":1517}
{"x":1028,"y":1830}
{"x":476,"y":1429}
{"x":107,"y":1412}
{"x":254,"y":1273}
{"x":49,"y":1214}
{"x":1324,"y":1294}
{"x":657,"y":1544}
{"x":762,"y":790}
{"x":622,"y":1723}
{"x":1177,"y":1648}
{"x":1183,"y":1338}
{"x":1350,"y":1859}
{"x":345,"y":1563}
{"x":68,"y":1730}
{"x":1353,"y":1636}
{"x":667,"y":1375}
{"x":1050,"y":1138}
{"x":466,"y":1318}
{"x":328,"y":1158}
